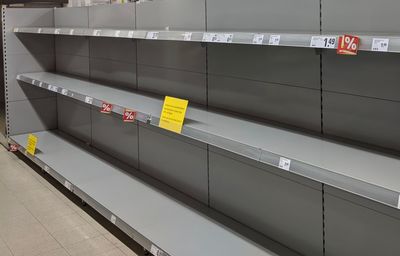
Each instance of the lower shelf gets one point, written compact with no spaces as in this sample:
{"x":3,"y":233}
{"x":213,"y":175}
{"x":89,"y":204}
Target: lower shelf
{"x":150,"y":217}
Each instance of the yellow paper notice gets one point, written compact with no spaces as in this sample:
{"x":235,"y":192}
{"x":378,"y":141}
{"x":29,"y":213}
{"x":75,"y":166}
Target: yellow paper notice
{"x":31,"y":144}
{"x":173,"y":114}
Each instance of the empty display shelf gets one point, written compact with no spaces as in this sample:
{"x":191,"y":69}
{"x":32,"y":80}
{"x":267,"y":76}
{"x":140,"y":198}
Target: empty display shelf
{"x":369,"y":174}
{"x":152,"y":218}
{"x":250,"y":38}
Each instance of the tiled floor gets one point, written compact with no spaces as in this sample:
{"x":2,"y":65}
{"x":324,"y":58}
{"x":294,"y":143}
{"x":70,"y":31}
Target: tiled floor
{"x":38,"y":220}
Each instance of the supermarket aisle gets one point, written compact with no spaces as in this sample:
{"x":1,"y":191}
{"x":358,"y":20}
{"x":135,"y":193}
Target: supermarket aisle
{"x":38,"y":220}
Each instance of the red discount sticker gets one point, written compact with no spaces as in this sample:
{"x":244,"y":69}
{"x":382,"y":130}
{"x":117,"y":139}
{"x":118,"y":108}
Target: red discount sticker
{"x":106,"y":108}
{"x":129,"y":116}
{"x":348,"y":45}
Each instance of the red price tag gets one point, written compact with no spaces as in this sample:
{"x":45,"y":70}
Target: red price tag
{"x":106,"y":108}
{"x":129,"y":116}
{"x":14,"y":147}
{"x":348,"y":45}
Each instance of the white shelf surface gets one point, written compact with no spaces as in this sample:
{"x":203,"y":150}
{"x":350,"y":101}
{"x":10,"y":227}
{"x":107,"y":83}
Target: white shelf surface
{"x":227,"y":37}
{"x":170,"y":225}
{"x":369,"y":174}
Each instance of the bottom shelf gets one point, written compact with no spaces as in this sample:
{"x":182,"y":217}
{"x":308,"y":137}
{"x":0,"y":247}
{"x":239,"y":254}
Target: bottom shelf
{"x":150,"y":217}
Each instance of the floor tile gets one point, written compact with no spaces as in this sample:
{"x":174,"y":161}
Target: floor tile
{"x":33,"y":246}
{"x":75,"y":235}
{"x":91,"y":247}
{"x":66,"y":222}
{"x":126,"y":250}
{"x":4,"y":251}
{"x":57,"y":252}
{"x":114,"y":252}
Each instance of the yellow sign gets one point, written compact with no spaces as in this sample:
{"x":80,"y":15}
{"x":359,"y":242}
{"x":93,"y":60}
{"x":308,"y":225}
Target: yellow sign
{"x":31,"y":144}
{"x":173,"y":114}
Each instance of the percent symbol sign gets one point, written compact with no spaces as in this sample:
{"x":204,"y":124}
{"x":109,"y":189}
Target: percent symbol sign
{"x":348,"y":45}
{"x":129,"y":116}
{"x":106,"y":108}
{"x":351,"y":45}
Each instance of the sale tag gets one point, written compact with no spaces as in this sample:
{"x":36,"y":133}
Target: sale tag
{"x":152,"y":35}
{"x":328,"y":42}
{"x":258,"y":39}
{"x":130,"y":33}
{"x":31,"y":144}
{"x":64,"y":92}
{"x":88,"y":100}
{"x":187,"y":36}
{"x":284,"y":163}
{"x":96,"y":32}
{"x":157,"y":251}
{"x":106,"y":108}
{"x":173,"y":114}
{"x":39,"y":30}
{"x":209,"y":37}
{"x":129,"y":116}
{"x":113,"y":219}
{"x":14,"y":147}
{"x":274,"y":39}
{"x":71,"y":32}
{"x":380,"y":44}
{"x":117,"y":33}
{"x":57,"y":31}
{"x":348,"y":45}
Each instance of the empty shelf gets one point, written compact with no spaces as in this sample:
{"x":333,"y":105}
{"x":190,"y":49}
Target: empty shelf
{"x":250,"y":38}
{"x":175,"y":228}
{"x":362,"y":172}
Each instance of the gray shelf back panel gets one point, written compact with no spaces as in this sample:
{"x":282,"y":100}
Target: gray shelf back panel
{"x":160,"y":219}
{"x":263,"y":198}
{"x":356,"y":226}
{"x":73,"y":17}
{"x":120,"y":16}
{"x":366,"y":173}
{"x":266,"y":15}
{"x":360,"y":16}
{"x":172,"y":14}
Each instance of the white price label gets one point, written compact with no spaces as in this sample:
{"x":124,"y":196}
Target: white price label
{"x":284,"y":163}
{"x":68,"y":185}
{"x":16,"y":30}
{"x":54,"y":88}
{"x":258,"y":39}
{"x":71,"y":32}
{"x":209,"y":37}
{"x":328,"y":42}
{"x":57,"y":31}
{"x":64,"y":92}
{"x":96,"y":32}
{"x":49,"y":87}
{"x":113,"y":219}
{"x":40,"y":84}
{"x":274,"y":39}
{"x":33,"y":81}
{"x":46,"y":169}
{"x":18,"y":77}
{"x":88,"y":100}
{"x":187,"y":36}
{"x":157,"y":251}
{"x":152,"y":35}
{"x":217,"y":38}
{"x":117,"y":33}
{"x":398,"y":204}
{"x":380,"y":44}
{"x":39,"y":30}
{"x":130,"y":33}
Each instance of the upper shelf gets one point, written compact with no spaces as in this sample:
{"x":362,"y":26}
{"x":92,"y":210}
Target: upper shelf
{"x":315,"y":41}
{"x":365,"y":173}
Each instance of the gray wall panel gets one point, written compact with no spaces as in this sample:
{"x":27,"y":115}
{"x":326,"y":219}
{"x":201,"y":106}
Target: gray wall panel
{"x":356,"y":229}
{"x":71,"y":17}
{"x":174,"y":14}
{"x":181,"y":84}
{"x":32,"y":115}
{"x":294,"y":66}
{"x":291,"y":105}
{"x":115,"y":137}
{"x":29,"y":44}
{"x":113,"y":73}
{"x":112,"y":16}
{"x":32,"y":17}
{"x":74,"y":65}
{"x":113,"y":49}
{"x":369,"y":74}
{"x":71,"y":45}
{"x":265,"y":15}
{"x":287,"y":211}
{"x":360,"y":16}
{"x":74,"y":118}
{"x":364,"y":119}
{"x":174,"y":55}
{"x":175,"y":162}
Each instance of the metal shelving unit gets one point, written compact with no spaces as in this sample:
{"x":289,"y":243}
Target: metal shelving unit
{"x":253,"y":38}
{"x":310,"y":157}
{"x":150,"y":225}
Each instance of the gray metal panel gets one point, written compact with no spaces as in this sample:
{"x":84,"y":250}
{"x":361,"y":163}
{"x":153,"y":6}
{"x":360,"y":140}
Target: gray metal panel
{"x":20,"y":63}
{"x":73,"y":17}
{"x":174,"y":55}
{"x":74,"y":118}
{"x":256,"y":15}
{"x":111,"y":135}
{"x":288,"y":212}
{"x":352,"y":228}
{"x":360,"y":16}
{"x":369,"y":74}
{"x":72,"y":45}
{"x":115,"y":73}
{"x":121,"y":16}
{"x":33,"y":17}
{"x":363,"y":119}
{"x":113,"y":49}
{"x":172,"y":14}
{"x":293,"y":66}
{"x":29,"y":44}
{"x":182,"y":84}
{"x":32,"y":115}
{"x":287,"y":104}
{"x":72,"y":64}
{"x":175,"y":162}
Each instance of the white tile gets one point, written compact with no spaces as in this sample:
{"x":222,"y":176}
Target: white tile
{"x":4,"y":251}
{"x":90,"y":247}
{"x":75,"y":235}
{"x":66,"y":222}
{"x":57,"y":252}
{"x":33,"y":246}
